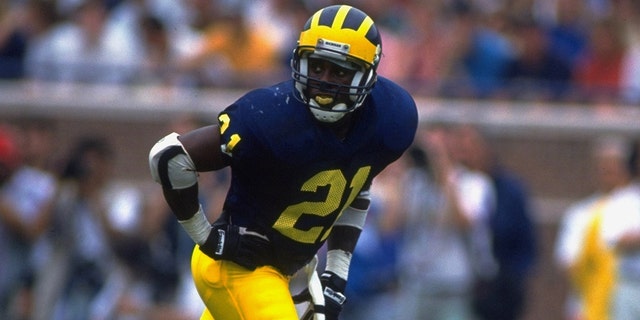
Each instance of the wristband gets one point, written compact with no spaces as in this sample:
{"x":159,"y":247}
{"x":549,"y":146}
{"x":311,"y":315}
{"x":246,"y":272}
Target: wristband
{"x":338,"y":262}
{"x":197,"y":227}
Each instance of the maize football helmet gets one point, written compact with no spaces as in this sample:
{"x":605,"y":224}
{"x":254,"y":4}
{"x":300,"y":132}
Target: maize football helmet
{"x":344,"y":36}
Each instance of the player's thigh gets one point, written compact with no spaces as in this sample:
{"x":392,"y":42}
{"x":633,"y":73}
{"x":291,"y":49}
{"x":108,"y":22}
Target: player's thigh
{"x":262,"y":294}
{"x":232,"y":292}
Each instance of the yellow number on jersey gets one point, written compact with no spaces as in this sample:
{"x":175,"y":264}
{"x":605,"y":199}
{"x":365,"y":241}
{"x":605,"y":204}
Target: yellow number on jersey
{"x":224,"y":122}
{"x":233,"y":140}
{"x":337,"y":184}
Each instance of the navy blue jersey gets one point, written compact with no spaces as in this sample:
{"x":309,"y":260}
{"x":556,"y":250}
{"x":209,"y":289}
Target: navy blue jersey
{"x":292,"y":177}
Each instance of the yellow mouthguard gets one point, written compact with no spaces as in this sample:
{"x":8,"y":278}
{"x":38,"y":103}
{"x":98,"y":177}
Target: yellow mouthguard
{"x":323,"y":100}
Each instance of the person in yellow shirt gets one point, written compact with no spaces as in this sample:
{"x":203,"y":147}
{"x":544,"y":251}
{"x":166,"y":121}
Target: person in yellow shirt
{"x":232,"y":53}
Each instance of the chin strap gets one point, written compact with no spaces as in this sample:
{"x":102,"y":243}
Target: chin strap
{"x":327,"y":115}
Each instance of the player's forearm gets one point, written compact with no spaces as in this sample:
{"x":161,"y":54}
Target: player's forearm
{"x":187,"y":209}
{"x":343,"y":238}
{"x":340,"y":247}
{"x":346,"y":230}
{"x":183,"y":202}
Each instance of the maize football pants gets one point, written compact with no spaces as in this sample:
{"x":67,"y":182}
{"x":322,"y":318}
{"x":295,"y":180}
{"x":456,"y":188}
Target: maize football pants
{"x":231,"y":292}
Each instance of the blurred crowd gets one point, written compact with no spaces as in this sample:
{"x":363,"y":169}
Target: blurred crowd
{"x":534,"y":50}
{"x":78,"y":243}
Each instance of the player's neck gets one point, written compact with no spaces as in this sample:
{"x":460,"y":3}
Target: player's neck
{"x":342,"y":128}
{"x":341,"y":132}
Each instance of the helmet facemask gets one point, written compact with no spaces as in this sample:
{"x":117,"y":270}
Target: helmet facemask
{"x":357,"y":91}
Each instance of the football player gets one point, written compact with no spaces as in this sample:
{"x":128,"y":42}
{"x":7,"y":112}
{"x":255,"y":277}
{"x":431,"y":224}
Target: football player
{"x":303,"y":155}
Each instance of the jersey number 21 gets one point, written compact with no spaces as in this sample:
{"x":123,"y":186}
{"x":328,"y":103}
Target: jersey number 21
{"x":337,"y":184}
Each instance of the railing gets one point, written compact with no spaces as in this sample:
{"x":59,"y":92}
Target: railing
{"x":153,"y":103}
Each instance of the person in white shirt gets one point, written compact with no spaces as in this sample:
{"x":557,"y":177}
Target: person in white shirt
{"x":446,"y":246}
{"x":602,"y":229}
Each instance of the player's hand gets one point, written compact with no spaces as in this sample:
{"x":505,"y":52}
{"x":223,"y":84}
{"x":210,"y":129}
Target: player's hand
{"x":229,"y":242}
{"x":333,"y":288}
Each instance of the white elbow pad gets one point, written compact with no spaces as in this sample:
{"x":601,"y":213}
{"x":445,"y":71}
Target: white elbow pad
{"x":171,"y":165}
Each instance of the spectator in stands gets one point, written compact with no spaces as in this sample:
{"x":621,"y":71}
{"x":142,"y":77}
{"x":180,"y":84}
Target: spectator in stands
{"x":629,"y":12}
{"x":484,"y":57}
{"x":598,"y":72}
{"x":83,"y":247}
{"x":279,"y":19}
{"x":373,"y":270}
{"x":396,"y":29}
{"x":436,"y":37}
{"x":155,"y":31}
{"x":160,"y":54}
{"x":86,"y":50}
{"x":40,"y":23}
{"x":535,"y":73}
{"x":628,"y":284}
{"x":512,"y":229}
{"x":445,"y":249}
{"x":595,"y":244}
{"x":13,"y":41}
{"x":568,"y":30}
{"x":233,"y":52}
{"x":26,"y":211}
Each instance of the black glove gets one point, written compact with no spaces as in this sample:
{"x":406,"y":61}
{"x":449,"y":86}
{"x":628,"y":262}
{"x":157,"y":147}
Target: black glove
{"x":333,"y":288}
{"x":227,"y":242}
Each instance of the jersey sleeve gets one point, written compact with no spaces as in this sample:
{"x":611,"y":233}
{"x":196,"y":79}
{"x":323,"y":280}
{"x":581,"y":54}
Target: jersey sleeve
{"x":238,"y":136}
{"x":401,"y":116}
{"x":253,"y":125}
